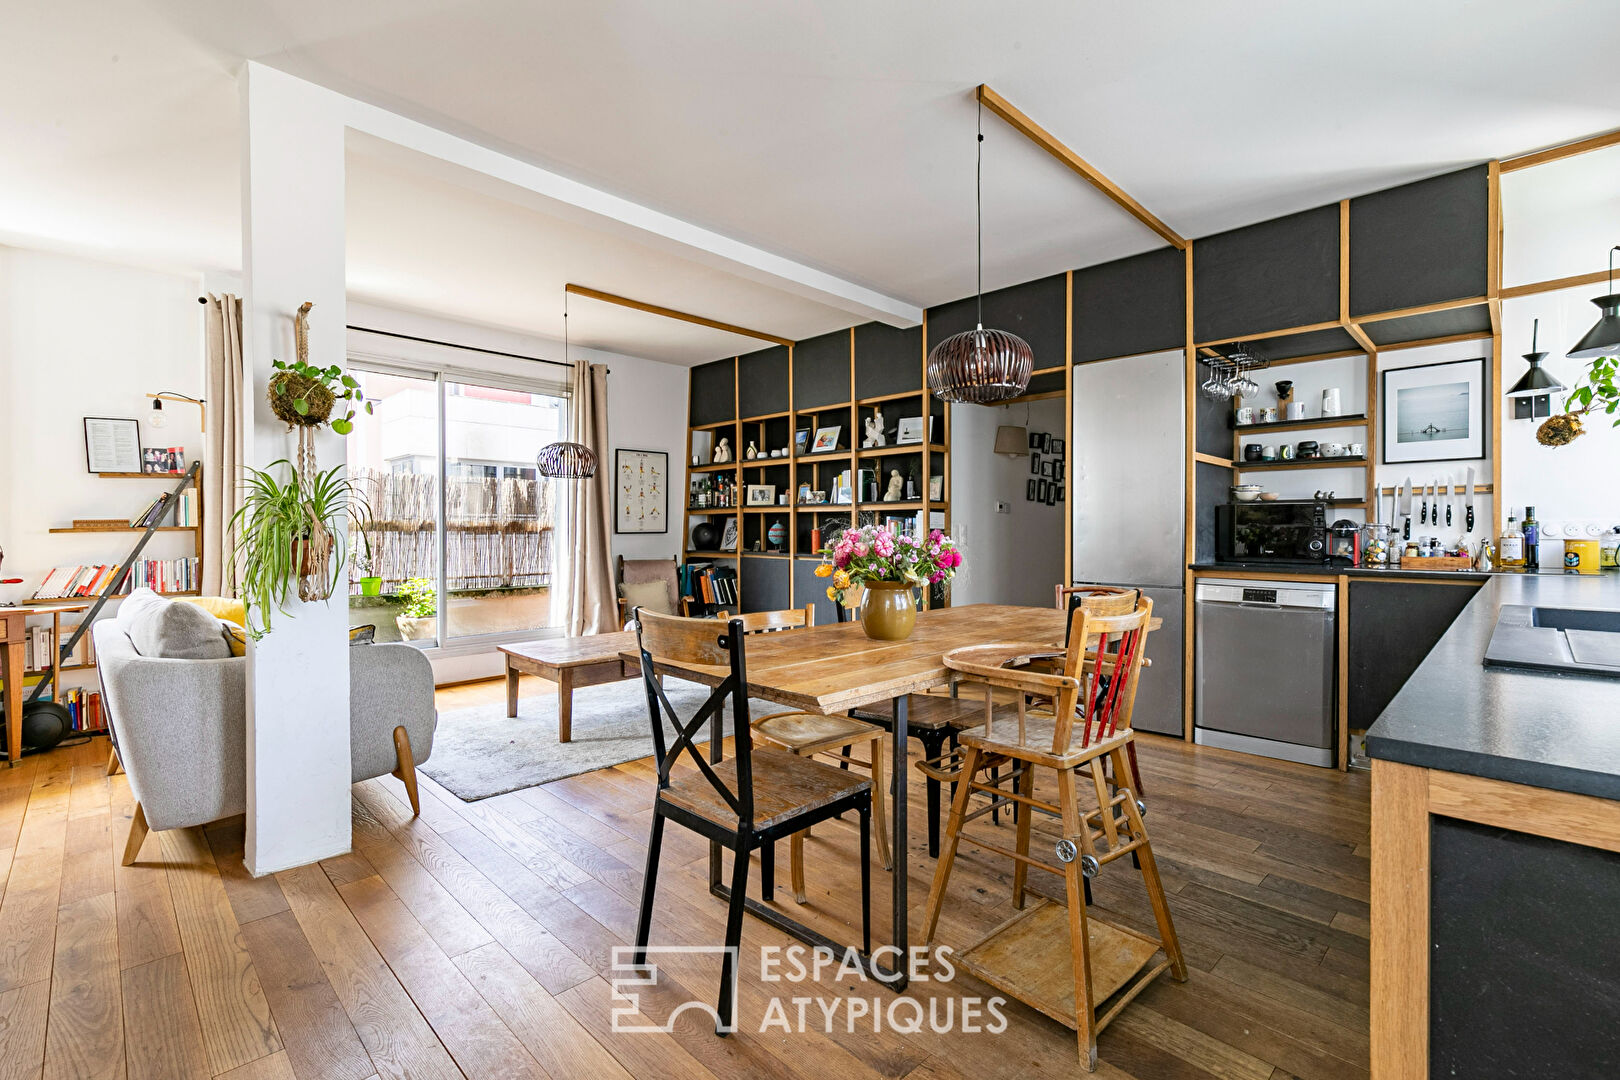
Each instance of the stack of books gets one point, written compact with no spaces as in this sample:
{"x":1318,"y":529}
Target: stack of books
{"x":709,"y":585}
{"x":66,"y":582}
{"x":40,"y":645}
{"x":84,"y":709}
{"x":161,"y":575}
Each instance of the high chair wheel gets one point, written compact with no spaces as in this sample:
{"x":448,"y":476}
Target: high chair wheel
{"x":1066,"y":851}
{"x":1089,"y":865}
{"x":1141,"y":807}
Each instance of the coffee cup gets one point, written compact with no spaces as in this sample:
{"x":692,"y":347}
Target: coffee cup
{"x":1330,"y":401}
{"x":1357,"y":450}
{"x":1245,"y":414}
{"x":1286,"y":452}
{"x":1251,"y":451}
{"x":1268,"y":415}
{"x":1296,"y":410}
{"x":1333,"y":449}
{"x":1268,"y":453}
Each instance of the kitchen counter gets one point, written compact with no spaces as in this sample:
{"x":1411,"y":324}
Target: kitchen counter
{"x":1323,"y":571}
{"x":1558,"y":732}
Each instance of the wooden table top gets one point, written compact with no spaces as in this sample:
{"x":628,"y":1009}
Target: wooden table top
{"x":836,"y":667}
{"x":568,"y":652}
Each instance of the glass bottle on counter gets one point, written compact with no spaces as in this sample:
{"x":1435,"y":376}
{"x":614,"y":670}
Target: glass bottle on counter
{"x":1510,"y":549}
{"x":1532,"y":538}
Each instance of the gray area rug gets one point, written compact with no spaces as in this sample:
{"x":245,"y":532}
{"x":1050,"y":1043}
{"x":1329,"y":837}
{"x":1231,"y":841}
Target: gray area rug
{"x":479,"y":751}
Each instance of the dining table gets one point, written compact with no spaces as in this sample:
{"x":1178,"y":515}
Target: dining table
{"x":835,"y":668}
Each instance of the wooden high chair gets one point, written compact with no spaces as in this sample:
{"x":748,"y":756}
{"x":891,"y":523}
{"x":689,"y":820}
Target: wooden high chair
{"x":1087,"y":724}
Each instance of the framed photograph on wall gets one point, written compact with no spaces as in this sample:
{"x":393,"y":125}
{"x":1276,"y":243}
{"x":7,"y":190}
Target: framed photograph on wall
{"x":760,"y":495}
{"x":728,"y":539}
{"x":112,"y":445}
{"x":1035,"y":464}
{"x":1433,"y":412}
{"x":1029,"y":492}
{"x":801,"y":440}
{"x":641,"y":491}
{"x":826,"y":439}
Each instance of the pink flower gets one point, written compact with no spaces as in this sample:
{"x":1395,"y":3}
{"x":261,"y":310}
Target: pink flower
{"x":862,"y":548}
{"x":841,"y":558}
{"x":935,"y":535}
{"x":884,"y":544}
{"x":936,"y":577}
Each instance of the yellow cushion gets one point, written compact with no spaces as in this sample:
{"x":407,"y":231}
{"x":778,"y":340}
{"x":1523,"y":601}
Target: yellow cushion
{"x":236,"y":638}
{"x":220,"y":607}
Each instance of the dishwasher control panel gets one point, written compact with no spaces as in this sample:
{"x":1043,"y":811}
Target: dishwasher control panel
{"x":1259,"y":596}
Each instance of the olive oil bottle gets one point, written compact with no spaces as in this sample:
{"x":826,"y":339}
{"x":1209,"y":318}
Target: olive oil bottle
{"x":1510,"y":549}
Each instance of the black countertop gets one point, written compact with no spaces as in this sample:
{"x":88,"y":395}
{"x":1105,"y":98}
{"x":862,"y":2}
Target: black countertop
{"x":1545,"y":730}
{"x":1325,"y":571}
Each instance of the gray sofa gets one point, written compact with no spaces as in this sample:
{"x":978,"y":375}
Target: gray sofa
{"x":179,"y":726}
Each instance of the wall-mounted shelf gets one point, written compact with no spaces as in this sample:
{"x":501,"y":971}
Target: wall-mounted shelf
{"x":725,"y":467}
{"x":88,"y":599}
{"x":123,"y":529}
{"x":900,"y":448}
{"x":712,"y":511}
{"x":1307,"y":463}
{"x":1357,"y":420}
{"x":141,"y":475}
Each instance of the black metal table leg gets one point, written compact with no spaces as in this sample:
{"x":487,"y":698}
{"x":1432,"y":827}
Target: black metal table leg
{"x":900,"y":936}
{"x":933,"y":746}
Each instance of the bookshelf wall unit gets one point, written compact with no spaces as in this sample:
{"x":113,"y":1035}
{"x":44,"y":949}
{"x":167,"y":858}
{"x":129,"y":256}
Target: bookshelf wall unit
{"x":778,"y":399}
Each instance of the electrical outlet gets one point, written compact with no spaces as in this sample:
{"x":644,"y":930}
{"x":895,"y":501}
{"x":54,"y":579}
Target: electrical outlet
{"x":1003,"y":508}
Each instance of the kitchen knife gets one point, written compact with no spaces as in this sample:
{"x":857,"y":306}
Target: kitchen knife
{"x":1406,"y":508}
{"x":1451,"y":496}
{"x":1468,"y":506}
{"x":1423,"y":506}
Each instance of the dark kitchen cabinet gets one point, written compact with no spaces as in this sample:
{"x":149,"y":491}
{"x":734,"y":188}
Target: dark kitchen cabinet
{"x":1273,"y":275}
{"x":1393,"y":625}
{"x":1421,"y":243}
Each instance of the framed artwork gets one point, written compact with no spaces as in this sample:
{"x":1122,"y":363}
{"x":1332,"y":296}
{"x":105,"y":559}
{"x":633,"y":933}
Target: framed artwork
{"x":760,"y":495}
{"x":728,"y":539}
{"x":1029,"y":492}
{"x":826,"y":439}
{"x":1041,"y":487}
{"x":1049,"y":469}
{"x":641,"y":484}
{"x":1034,"y":440}
{"x":911,"y":430}
{"x":1052,"y":491}
{"x":936,"y":488}
{"x":1035,"y":464}
{"x":1433,"y":412}
{"x":112,"y":445}
{"x":801,"y":440}
{"x":1046,"y":442}
{"x":1057,"y":448}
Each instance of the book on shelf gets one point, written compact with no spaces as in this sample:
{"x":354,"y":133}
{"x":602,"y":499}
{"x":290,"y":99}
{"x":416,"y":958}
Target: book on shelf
{"x":160,"y":575}
{"x":153,"y":512}
{"x":709,"y":585}
{"x":84,"y":709}
{"x":39,"y":645}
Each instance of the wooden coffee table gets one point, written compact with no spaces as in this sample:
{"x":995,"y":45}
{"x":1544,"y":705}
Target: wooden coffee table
{"x":569,"y":662}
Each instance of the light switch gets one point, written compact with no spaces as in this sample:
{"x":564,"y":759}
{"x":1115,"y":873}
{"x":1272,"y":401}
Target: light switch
{"x":1003,"y":508}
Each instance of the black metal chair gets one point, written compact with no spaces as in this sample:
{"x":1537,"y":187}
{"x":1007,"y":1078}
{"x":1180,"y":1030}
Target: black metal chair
{"x":748,"y":801}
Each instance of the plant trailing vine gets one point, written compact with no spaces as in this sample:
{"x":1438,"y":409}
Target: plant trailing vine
{"x":277,"y":529}
{"x":1595,"y":391}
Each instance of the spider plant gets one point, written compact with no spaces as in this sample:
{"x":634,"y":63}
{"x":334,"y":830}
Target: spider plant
{"x":284,"y":543}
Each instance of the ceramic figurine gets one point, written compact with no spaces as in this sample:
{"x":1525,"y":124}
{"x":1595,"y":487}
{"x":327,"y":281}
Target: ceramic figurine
{"x":874,"y":430}
{"x":695,"y":460}
{"x":897,"y":486}
{"x":722,"y":452}
{"x":750,"y":453}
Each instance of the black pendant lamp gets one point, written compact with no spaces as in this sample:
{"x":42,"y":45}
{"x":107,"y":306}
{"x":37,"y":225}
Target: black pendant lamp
{"x":566,"y":460}
{"x":1538,"y":380}
{"x":979,"y":366}
{"x":1604,"y":337}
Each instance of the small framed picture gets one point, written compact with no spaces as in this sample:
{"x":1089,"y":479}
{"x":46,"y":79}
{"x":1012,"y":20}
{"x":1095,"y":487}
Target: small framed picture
{"x":801,"y":440}
{"x":1057,"y":469}
{"x":936,"y":488}
{"x":1046,"y":442}
{"x":760,"y":495}
{"x":1060,"y":488}
{"x":1035,"y":464}
{"x":1032,"y":489}
{"x":1052,"y":491}
{"x":1049,"y":469}
{"x":826,"y":439}
{"x":1041,"y":488}
{"x":1057,"y":448}
{"x":1034,"y":440}
{"x":728,"y":539}
{"x":1434,"y":412}
{"x":911,"y":430}
{"x":804,"y":493}
{"x":112,"y":445}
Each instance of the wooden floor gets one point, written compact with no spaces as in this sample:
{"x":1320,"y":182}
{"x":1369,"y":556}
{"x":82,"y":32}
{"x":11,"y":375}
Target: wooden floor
{"x":475,"y":940}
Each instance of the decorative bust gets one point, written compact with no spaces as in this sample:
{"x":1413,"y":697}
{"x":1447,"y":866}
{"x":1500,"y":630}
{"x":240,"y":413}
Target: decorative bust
{"x":722,"y":452}
{"x":874,"y":430}
{"x":750,"y":454}
{"x":897,"y":487}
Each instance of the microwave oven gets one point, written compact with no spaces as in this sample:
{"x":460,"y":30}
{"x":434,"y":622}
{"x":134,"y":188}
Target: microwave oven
{"x":1271,"y":532}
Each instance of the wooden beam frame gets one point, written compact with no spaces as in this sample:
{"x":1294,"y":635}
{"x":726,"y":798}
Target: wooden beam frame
{"x":1558,"y":153}
{"x":1084,"y":169}
{"x":671,"y":313}
{"x":1513,"y":292}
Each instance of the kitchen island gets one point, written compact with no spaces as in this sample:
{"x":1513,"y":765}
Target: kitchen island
{"x":1496,"y":857}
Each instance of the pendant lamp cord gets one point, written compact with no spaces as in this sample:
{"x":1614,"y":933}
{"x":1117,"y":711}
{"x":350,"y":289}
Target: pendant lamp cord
{"x":1611,"y":268}
{"x":978,"y":214}
{"x":565,"y":326}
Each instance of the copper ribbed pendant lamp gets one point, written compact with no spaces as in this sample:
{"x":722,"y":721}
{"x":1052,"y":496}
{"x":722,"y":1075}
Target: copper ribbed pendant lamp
{"x":979,"y":366}
{"x":566,"y":460}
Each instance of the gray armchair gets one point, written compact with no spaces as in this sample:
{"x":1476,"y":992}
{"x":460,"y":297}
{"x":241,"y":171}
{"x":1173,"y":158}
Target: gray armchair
{"x":179,"y":727}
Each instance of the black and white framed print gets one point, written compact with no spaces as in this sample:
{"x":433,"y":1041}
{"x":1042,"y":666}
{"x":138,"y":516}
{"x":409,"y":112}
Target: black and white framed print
{"x":1057,"y":448}
{"x":641,"y":484}
{"x":1029,"y":492}
{"x":1035,"y":464}
{"x":1434,"y":412}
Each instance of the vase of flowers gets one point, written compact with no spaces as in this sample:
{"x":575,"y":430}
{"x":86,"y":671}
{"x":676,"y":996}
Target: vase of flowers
{"x":889,"y":568}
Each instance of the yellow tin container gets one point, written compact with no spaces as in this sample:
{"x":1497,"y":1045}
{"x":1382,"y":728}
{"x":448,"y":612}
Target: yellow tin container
{"x":1581,"y":556}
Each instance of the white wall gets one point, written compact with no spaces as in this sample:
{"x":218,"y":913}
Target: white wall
{"x":646,"y":411}
{"x":1011,"y":558}
{"x":82,"y":338}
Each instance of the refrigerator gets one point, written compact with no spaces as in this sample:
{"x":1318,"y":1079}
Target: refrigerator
{"x":1127,"y":432}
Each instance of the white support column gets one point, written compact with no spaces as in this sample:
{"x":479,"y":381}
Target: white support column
{"x":298,"y":676}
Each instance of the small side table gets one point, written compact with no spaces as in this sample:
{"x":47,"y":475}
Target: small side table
{"x":570,"y":662}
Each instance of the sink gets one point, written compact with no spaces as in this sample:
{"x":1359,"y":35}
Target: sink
{"x":1563,"y":618}
{"x":1577,"y":641}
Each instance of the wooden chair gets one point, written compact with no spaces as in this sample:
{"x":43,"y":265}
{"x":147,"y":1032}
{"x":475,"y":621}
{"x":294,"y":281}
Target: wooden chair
{"x":1088,"y":723}
{"x":930,"y":719}
{"x":641,"y":571}
{"x":746,"y":802}
{"x":811,"y":734}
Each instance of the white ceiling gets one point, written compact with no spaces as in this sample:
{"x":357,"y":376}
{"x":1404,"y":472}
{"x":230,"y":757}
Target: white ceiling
{"x":838,"y":133}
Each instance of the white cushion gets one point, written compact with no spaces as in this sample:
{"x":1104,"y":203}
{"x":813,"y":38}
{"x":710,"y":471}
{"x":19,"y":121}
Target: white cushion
{"x":161,"y":628}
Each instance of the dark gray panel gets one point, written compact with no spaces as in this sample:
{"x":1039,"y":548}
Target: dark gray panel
{"x":1268,"y":276}
{"x":821,"y":371}
{"x":1522,"y":941}
{"x":764,"y":583}
{"x":1467,"y":320}
{"x":1393,"y":625}
{"x":1048,"y":382}
{"x":1310,"y":343}
{"x":713,"y":392}
{"x":887,"y":360}
{"x":762,"y":382}
{"x":1212,"y":433}
{"x":1212,"y":486}
{"x":1035,"y":311}
{"x":807,"y":588}
{"x":1420,"y":243}
{"x":1131,"y":306}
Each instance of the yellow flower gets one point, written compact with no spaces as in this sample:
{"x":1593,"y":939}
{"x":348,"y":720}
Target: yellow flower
{"x":823,"y":569}
{"x":832,"y":594}
{"x":841,"y":579}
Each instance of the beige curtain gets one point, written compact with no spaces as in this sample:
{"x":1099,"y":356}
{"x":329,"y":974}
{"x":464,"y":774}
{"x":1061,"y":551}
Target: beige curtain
{"x":592,"y":603}
{"x":222,"y":463}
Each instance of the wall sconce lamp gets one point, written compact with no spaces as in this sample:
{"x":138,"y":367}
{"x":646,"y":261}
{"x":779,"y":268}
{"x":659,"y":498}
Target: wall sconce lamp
{"x":158,"y":419}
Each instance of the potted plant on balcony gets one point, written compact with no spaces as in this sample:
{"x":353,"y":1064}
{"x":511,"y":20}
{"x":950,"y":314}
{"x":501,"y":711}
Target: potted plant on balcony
{"x":890,"y":568}
{"x":418,"y":620}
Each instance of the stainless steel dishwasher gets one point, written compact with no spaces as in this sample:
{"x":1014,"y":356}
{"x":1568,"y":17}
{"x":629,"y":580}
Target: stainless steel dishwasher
{"x":1264,"y":662}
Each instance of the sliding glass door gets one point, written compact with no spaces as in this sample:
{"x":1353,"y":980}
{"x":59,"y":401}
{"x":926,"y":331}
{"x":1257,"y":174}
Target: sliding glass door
{"x":459,"y":546}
